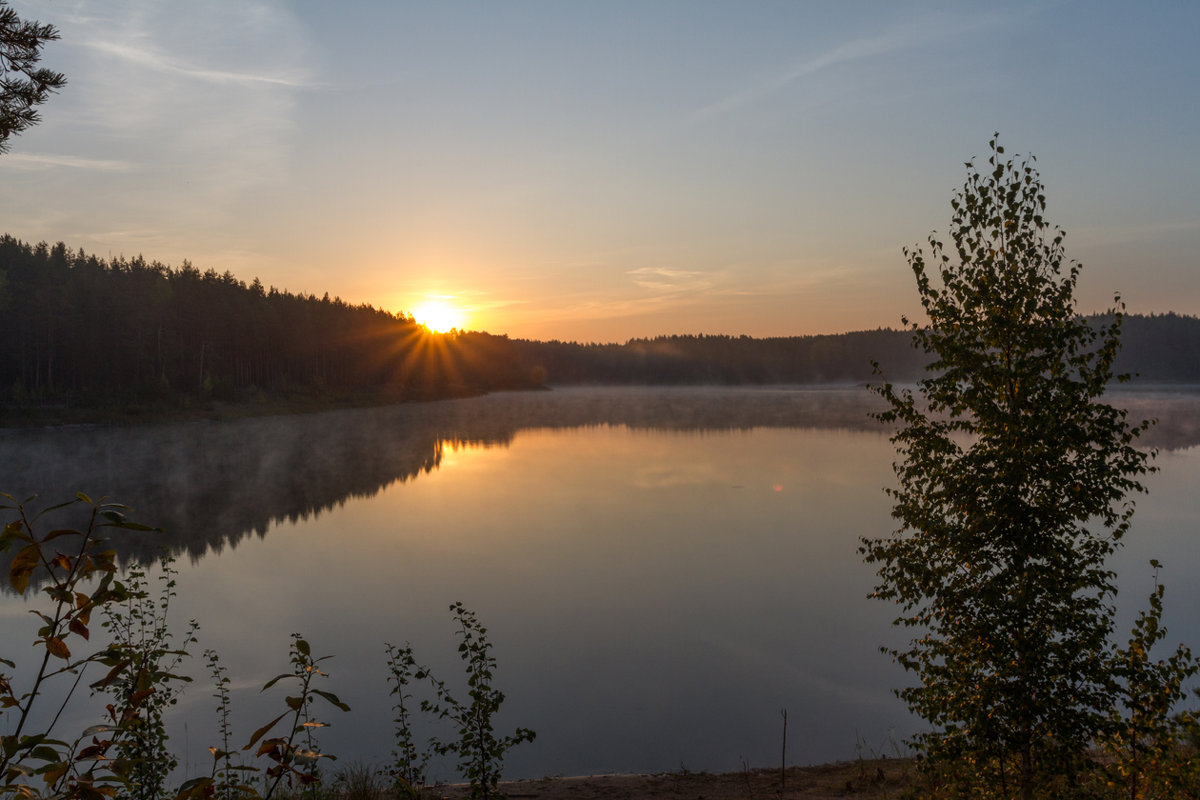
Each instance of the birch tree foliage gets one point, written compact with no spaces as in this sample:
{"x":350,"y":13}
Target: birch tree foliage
{"x":1013,"y":485}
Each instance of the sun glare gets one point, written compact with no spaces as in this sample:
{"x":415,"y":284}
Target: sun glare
{"x":438,"y":316}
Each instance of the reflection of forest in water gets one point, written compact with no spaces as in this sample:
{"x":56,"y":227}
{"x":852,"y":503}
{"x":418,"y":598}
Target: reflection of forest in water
{"x":210,"y":484}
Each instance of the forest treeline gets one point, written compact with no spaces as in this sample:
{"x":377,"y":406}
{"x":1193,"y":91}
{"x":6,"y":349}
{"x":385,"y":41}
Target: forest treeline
{"x":83,"y":330}
{"x":78,"y":328}
{"x":1158,"y":348}
{"x":727,"y":360}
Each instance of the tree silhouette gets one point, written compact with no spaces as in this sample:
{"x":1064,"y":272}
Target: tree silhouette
{"x":1012,"y":484}
{"x":23,"y":84}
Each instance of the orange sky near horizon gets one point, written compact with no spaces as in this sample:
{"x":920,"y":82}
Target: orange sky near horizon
{"x":599,"y":171}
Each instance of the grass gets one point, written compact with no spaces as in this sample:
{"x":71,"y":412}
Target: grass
{"x":861,"y":779}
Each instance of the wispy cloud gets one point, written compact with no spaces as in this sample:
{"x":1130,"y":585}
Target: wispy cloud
{"x":202,"y":96}
{"x":661,"y":279}
{"x":156,"y":60}
{"x":740,"y":280}
{"x":612,"y":305}
{"x":906,"y":36}
{"x":37,"y":161}
{"x":657,"y":291}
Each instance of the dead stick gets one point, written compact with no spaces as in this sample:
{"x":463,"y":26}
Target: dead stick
{"x":783,"y":756}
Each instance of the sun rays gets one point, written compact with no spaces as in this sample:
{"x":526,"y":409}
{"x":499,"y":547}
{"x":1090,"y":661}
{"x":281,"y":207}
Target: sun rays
{"x":439,"y":316}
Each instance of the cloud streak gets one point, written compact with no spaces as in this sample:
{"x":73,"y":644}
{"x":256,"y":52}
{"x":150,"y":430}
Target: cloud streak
{"x":656,"y":291}
{"x":907,"y":36}
{"x":661,"y":279}
{"x":198,"y":100}
{"x":162,"y":63}
{"x":38,"y":161}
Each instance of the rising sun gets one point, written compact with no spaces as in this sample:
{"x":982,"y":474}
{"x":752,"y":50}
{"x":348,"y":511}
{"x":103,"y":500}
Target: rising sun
{"x":437,"y":316}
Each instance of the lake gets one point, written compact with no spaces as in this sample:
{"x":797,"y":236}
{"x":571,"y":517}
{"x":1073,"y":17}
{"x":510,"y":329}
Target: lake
{"x":661,"y":571}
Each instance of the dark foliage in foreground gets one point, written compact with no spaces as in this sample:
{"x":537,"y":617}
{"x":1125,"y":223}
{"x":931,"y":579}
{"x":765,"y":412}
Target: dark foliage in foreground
{"x":127,"y":755}
{"x":1013,"y":485}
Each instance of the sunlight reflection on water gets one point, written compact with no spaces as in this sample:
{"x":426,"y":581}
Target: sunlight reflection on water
{"x":658,"y":581}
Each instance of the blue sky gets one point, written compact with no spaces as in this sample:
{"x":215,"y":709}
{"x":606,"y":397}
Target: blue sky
{"x":603,"y":170}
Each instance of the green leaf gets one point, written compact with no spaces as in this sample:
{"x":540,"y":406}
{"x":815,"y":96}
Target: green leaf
{"x":96,"y":730}
{"x":332,"y":698}
{"x":60,"y":532}
{"x":171,"y":676}
{"x":135,"y":526}
{"x":44,"y":753}
{"x":54,"y":507}
{"x":13,"y":532}
{"x":195,"y":788}
{"x":276,"y":680}
{"x":258,"y":734}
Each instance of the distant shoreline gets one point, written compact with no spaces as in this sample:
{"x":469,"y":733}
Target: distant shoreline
{"x":62,"y":414}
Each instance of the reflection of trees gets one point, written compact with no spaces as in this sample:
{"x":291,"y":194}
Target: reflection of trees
{"x":1177,"y":412}
{"x":211,"y":484}
{"x":208,"y":485}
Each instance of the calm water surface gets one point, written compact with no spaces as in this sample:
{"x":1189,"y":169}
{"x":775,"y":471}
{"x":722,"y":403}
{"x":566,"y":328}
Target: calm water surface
{"x":661,"y":571}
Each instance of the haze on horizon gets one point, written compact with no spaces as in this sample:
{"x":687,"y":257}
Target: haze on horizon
{"x":598,"y":171}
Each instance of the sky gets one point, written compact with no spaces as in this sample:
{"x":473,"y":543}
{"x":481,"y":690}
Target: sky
{"x":597,"y":171}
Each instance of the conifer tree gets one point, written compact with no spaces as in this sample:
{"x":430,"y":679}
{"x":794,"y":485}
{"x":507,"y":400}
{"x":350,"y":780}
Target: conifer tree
{"x":1012,"y":482}
{"x":23,"y":84}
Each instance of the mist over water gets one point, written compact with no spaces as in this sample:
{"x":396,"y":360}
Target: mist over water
{"x":660,"y":570}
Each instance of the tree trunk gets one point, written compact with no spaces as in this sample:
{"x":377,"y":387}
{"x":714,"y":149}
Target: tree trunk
{"x":1027,"y":770}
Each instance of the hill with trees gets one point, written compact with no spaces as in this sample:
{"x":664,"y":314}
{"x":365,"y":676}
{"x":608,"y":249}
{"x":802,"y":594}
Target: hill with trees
{"x":77,"y":330}
{"x":724,"y":360}
{"x":1159,"y":348}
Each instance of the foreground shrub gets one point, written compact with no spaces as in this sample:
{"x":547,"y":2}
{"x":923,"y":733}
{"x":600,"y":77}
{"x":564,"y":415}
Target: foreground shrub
{"x":1012,"y":486}
{"x":127,"y":754}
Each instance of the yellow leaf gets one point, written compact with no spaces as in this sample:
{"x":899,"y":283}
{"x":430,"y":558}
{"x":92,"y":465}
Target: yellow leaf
{"x":52,"y":775}
{"x":22,"y":567}
{"x":57,"y":647}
